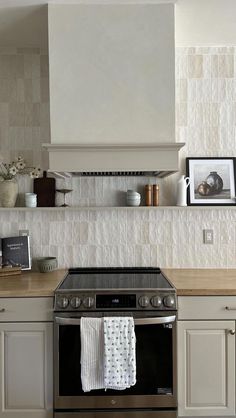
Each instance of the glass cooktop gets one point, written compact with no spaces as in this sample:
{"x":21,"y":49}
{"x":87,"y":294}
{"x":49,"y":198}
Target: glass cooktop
{"x":115,"y":278}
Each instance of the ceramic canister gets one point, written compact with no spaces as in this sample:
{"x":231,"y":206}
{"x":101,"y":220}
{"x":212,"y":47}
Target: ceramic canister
{"x":30,"y":200}
{"x":133,"y":198}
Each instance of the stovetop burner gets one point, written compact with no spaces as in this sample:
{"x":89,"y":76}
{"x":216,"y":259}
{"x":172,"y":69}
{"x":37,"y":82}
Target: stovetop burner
{"x":116,"y":288}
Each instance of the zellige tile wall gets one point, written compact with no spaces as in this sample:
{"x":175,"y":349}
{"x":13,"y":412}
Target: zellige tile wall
{"x":24,"y":106}
{"x":205,"y":120}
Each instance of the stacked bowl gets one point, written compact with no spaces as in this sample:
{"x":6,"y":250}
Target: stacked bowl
{"x":133,"y":198}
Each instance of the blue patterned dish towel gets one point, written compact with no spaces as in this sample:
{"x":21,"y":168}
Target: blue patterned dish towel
{"x":108,"y":356}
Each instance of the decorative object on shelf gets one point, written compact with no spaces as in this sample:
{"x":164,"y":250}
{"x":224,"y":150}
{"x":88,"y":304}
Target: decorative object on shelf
{"x":8,"y":183}
{"x":30,"y":200}
{"x":182,"y":186}
{"x":8,"y":193}
{"x":64,"y":191}
{"x":45,"y":189}
{"x":212,"y":181}
{"x":133,"y":198}
{"x":155,"y":195}
{"x":148,"y":195}
{"x":47,"y":264}
{"x":152,"y":195}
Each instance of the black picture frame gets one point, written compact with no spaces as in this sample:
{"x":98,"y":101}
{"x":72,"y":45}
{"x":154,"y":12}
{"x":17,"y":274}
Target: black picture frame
{"x":209,"y":187}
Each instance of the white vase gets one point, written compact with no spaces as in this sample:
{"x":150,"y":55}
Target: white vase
{"x":182,"y":186}
{"x":8,"y":193}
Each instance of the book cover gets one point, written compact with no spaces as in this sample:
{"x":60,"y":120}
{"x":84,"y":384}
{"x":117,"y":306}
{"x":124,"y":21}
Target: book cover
{"x":16,"y":252}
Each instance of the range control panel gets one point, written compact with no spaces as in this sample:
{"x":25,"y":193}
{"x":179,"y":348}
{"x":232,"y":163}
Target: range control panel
{"x":117,"y":301}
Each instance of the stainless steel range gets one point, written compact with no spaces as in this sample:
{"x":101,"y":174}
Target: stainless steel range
{"x":145,"y":294}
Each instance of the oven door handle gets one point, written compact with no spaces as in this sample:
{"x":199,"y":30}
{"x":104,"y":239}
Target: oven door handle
{"x":137,"y":321}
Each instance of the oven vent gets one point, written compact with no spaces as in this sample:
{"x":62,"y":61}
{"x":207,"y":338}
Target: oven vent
{"x":160,"y":174}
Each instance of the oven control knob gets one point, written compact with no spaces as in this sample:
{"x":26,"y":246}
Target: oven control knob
{"x":156,"y":301}
{"x":88,"y":302}
{"x":63,"y":302}
{"x":75,"y":302}
{"x":143,"y":301}
{"x":169,"y":301}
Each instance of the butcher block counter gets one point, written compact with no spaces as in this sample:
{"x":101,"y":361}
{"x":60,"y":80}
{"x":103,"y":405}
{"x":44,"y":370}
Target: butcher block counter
{"x":203,"y":282}
{"x":30,"y":284}
{"x":188,"y":282}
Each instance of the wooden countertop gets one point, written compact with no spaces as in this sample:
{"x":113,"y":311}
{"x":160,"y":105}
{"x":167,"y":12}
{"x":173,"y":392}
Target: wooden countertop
{"x":188,"y":282}
{"x":203,"y":282}
{"x":28,"y":284}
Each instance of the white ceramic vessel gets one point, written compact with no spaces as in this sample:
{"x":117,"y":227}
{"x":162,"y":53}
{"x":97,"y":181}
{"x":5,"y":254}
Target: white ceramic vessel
{"x":133,"y":198}
{"x":30,"y":200}
{"x":182,"y":186}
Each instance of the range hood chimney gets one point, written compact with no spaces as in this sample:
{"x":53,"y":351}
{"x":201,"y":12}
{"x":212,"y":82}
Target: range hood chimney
{"x":112,"y":88}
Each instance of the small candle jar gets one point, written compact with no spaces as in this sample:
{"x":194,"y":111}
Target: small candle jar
{"x":30,"y":200}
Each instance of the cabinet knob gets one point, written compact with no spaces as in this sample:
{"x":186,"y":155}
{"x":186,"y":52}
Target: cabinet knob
{"x":232,"y":331}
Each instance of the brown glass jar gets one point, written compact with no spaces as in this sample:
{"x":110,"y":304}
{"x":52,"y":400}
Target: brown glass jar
{"x":155,"y":195}
{"x":148,"y":195}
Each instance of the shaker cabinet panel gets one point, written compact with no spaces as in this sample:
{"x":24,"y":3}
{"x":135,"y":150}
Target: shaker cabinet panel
{"x":206,"y":368}
{"x":26,"y":370}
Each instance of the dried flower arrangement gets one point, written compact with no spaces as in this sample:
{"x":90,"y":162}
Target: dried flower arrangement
{"x":8,"y":171}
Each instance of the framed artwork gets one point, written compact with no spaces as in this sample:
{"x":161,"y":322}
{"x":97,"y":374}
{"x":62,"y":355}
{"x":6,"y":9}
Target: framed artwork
{"x":212,"y":181}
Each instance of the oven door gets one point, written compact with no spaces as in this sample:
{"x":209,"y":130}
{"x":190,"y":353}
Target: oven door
{"x":155,"y":365}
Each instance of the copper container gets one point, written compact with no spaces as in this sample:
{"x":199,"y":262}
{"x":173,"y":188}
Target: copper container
{"x":148,"y":195}
{"x":155,"y":194}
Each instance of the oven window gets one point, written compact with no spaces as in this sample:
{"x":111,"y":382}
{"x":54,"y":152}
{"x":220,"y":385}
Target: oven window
{"x":153,"y":357}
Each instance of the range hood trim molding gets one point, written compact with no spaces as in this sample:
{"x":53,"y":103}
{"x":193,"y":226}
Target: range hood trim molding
{"x":155,"y":159}
{"x":112,"y":147}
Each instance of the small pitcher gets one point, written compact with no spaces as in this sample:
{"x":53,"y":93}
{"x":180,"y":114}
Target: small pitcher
{"x":182,"y":186}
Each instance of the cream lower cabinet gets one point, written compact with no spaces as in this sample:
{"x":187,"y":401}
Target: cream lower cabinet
{"x":25,"y":360}
{"x":206,"y":357}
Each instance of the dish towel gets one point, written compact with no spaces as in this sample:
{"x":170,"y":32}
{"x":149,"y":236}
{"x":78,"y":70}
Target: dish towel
{"x":119,"y":353}
{"x":92,"y":353}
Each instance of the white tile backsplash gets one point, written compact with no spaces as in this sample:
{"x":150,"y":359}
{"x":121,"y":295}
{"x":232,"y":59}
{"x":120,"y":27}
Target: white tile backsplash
{"x":169,"y":237}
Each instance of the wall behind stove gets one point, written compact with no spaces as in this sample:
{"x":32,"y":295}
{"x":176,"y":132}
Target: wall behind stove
{"x":124,"y":237}
{"x":206,"y":119}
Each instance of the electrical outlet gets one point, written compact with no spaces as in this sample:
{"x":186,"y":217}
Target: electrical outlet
{"x":24,"y":232}
{"x":208,"y":236}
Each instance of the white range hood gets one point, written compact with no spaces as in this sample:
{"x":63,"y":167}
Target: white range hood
{"x":112,"y":88}
{"x":158,"y":160}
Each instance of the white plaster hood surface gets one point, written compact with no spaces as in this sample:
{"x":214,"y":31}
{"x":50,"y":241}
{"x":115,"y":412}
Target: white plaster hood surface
{"x":112,"y":87}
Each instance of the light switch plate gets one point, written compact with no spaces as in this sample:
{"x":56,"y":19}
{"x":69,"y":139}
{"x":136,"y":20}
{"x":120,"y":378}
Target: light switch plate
{"x":208,"y":236}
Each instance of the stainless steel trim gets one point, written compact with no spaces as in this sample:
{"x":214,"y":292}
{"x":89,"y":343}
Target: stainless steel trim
{"x":104,"y":402}
{"x":137,"y":321}
{"x":117,"y":414}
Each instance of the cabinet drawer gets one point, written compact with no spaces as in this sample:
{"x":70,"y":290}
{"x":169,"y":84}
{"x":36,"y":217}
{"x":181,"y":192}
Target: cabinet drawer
{"x":26,"y":309}
{"x":206,"y":307}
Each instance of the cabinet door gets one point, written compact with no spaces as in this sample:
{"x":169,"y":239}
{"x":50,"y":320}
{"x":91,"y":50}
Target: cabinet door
{"x":26,"y":370}
{"x":206,"y":368}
